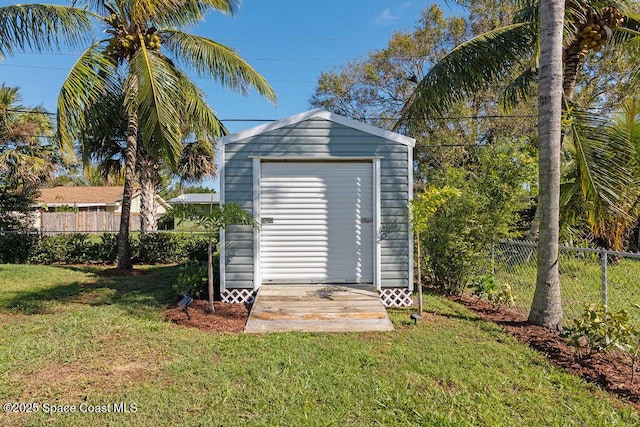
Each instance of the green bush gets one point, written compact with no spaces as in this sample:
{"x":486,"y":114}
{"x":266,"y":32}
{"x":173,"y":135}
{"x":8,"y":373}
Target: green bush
{"x":195,"y":249}
{"x":192,"y":279}
{"x":598,"y":329}
{"x":159,"y":248}
{"x":63,"y":248}
{"x":107,"y":250}
{"x":79,"y":248}
{"x":16,"y":247}
{"x":455,"y":242}
{"x":493,"y":189}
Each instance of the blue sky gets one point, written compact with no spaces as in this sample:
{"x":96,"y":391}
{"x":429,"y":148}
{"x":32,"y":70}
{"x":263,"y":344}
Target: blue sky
{"x":289,"y":42}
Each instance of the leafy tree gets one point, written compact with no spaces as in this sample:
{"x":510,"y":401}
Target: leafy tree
{"x":376,"y":89}
{"x":220,"y":216}
{"x":458,"y":235}
{"x":422,"y":208}
{"x":508,"y":55}
{"x":143,"y":45}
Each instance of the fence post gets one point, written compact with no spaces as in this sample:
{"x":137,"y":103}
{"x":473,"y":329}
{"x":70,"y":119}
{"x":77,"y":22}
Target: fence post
{"x":605,"y":296}
{"x":493,"y":259}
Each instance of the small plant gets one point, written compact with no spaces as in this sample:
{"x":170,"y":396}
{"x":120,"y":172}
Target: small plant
{"x":502,"y":296}
{"x":482,"y":286}
{"x":598,"y":330}
{"x":633,"y":348}
{"x":192,"y":279}
{"x":486,"y":287}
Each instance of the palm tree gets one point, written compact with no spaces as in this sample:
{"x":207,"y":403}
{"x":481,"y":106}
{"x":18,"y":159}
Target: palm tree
{"x":40,"y":27}
{"x":546,"y":309}
{"x":510,"y":55}
{"x":104,"y":143}
{"x":513,"y":54}
{"x":139,"y":33}
{"x":26,"y":157}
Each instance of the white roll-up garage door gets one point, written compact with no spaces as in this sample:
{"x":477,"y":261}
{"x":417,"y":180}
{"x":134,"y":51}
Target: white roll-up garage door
{"x":316,"y":222}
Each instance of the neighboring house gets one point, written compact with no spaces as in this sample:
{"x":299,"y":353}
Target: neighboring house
{"x":87,"y":209}
{"x":203,"y":202}
{"x":331,"y":196}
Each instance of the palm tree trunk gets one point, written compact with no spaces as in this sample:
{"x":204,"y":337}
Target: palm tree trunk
{"x":149,"y":181}
{"x":546,"y":309}
{"x":124,"y":248}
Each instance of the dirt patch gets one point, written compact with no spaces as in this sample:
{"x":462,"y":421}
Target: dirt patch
{"x":611,"y":371}
{"x":227,"y":318}
{"x":120,"y":272}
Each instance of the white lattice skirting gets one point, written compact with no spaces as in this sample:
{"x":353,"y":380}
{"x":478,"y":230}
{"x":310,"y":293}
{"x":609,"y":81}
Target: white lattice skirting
{"x":396,"y":297}
{"x":239,"y":296}
{"x":391,"y":297}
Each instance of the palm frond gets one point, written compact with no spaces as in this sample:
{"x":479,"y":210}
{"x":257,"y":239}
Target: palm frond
{"x":520,"y":88}
{"x":42,"y":27}
{"x":604,"y":156}
{"x":87,"y":82}
{"x":470,"y":67}
{"x":210,"y":59}
{"x":178,"y":13}
{"x":199,"y":117}
{"x":153,"y":88}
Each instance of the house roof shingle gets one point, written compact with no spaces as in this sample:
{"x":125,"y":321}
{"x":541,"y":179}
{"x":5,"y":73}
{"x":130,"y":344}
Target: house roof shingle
{"x":85,"y":195}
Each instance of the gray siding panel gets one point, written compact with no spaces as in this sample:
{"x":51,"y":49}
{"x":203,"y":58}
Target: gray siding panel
{"x":321,"y":139}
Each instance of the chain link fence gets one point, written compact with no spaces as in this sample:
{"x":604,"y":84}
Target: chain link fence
{"x":587,"y":276}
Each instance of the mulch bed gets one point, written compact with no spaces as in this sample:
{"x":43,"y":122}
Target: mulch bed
{"x":612,"y":371}
{"x":227,"y":318}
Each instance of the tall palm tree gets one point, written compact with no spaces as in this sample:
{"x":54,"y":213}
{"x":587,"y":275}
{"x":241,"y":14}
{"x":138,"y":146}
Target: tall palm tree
{"x":143,"y":45}
{"x":104,"y":144}
{"x":513,"y":54}
{"x":546,"y":309}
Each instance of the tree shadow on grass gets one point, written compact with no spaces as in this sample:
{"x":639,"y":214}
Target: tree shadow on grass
{"x":141,"y":295}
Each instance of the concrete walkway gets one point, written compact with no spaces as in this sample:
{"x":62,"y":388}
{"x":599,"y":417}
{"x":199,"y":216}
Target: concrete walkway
{"x":317,"y":308}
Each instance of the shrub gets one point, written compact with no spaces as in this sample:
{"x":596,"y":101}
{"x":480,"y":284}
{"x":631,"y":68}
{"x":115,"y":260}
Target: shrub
{"x":195,"y":249}
{"x":106,"y":251}
{"x":63,"y":248}
{"x":159,"y":248}
{"x":192,"y":279}
{"x":16,"y":247}
{"x":486,"y":287}
{"x":598,"y":329}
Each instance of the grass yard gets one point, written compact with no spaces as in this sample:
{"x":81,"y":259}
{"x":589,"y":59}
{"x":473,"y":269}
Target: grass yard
{"x":69,"y":336}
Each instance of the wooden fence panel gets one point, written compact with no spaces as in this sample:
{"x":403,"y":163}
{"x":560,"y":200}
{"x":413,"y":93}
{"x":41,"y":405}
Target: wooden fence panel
{"x":84,"y":222}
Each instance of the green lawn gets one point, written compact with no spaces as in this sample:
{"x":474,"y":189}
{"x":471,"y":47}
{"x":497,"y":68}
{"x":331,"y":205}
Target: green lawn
{"x":69,"y":337}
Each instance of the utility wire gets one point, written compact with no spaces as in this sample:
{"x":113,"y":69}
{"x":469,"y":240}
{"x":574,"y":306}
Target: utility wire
{"x":488,"y":116}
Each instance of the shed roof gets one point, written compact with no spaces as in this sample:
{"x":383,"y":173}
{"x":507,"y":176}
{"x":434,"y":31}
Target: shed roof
{"x":318,"y":114}
{"x":195,"y":199}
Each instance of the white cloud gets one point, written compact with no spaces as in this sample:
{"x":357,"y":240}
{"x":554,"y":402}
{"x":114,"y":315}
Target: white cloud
{"x":391,"y":15}
{"x":385,"y":17}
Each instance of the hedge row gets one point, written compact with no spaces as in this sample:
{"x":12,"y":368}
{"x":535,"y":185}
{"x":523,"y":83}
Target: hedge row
{"x":80,"y":248}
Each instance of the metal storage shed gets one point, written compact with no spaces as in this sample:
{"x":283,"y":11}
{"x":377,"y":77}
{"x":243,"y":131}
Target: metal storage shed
{"x":330,"y":195}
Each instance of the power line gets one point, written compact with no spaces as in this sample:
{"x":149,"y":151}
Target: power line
{"x":488,"y":116}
